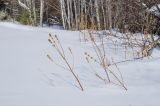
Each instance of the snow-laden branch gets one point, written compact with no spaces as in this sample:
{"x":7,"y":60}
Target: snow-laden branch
{"x":155,"y":10}
{"x":23,"y":5}
{"x":158,"y":7}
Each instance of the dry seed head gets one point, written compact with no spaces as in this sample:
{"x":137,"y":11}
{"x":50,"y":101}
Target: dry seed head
{"x":49,"y":40}
{"x":54,"y":42}
{"x":50,"y":35}
{"x":52,"y":38}
{"x":53,"y":45}
{"x":56,"y":37}
{"x":87,"y":54}
{"x":49,"y":57}
{"x":92,"y":59}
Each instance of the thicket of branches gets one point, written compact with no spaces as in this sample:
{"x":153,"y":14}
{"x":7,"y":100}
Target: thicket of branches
{"x":133,"y":15}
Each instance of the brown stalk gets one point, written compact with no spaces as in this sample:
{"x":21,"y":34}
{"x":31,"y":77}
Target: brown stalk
{"x":102,"y":61}
{"x":56,"y":44}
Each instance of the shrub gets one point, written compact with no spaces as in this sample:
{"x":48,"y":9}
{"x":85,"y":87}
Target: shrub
{"x":3,"y":15}
{"x":23,"y":18}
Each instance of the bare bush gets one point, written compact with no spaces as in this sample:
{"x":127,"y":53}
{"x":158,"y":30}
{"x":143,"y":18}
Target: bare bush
{"x":102,"y":60}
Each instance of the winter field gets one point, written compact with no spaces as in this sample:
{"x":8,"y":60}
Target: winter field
{"x":29,"y":78}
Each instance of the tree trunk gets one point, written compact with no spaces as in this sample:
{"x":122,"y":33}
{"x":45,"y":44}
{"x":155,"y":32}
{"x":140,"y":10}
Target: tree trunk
{"x":41,"y":12}
{"x":34,"y":12}
{"x":97,"y":14}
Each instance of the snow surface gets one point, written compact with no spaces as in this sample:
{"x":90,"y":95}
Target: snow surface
{"x":28,"y":78}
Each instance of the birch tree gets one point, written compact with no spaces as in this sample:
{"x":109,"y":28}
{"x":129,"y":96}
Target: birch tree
{"x":41,"y":12}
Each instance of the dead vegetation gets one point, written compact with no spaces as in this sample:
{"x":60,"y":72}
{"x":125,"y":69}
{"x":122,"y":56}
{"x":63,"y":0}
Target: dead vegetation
{"x":101,"y":59}
{"x":56,"y":44}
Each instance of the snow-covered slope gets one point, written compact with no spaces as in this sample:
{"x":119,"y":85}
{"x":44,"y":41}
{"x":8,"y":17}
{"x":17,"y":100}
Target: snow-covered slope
{"x":28,"y":78}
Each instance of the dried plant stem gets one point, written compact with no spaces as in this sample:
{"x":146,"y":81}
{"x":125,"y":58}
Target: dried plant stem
{"x":100,"y":54}
{"x":121,"y":83}
{"x":76,"y":77}
{"x":54,"y":41}
{"x":103,"y":62}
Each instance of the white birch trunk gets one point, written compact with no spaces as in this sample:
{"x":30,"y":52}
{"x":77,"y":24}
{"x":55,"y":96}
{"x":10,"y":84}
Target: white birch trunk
{"x":76,"y":16}
{"x":63,"y":14}
{"x":41,"y":12}
{"x":23,"y":5}
{"x":27,"y":7}
{"x":69,"y":14}
{"x":103,"y":12}
{"x":34,"y":12}
{"x":110,"y":14}
{"x":97,"y":14}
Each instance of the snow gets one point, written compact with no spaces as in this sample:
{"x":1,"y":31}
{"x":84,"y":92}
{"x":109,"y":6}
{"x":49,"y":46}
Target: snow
{"x":28,"y":78}
{"x":155,"y":10}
